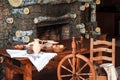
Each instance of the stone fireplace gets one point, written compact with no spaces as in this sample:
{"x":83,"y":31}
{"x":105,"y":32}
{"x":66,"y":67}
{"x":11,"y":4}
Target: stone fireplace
{"x":54,"y":20}
{"x":58,"y":21}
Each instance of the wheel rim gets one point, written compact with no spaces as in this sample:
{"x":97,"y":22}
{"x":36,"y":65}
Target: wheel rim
{"x":84,"y":70}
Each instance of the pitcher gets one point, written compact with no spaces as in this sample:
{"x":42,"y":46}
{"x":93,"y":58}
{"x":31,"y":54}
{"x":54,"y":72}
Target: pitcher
{"x":36,"y":46}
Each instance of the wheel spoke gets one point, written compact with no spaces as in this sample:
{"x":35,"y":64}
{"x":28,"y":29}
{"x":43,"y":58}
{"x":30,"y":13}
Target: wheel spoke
{"x":74,"y":78}
{"x":71,"y":78}
{"x":66,"y":75}
{"x":77,"y":64}
{"x":80,"y":69}
{"x":78,"y":78}
{"x":85,"y":74}
{"x":82,"y":78}
{"x":70,"y":63}
{"x":66,"y":68}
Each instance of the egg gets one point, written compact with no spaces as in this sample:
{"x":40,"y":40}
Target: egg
{"x":54,"y":46}
{"x":61,"y":46}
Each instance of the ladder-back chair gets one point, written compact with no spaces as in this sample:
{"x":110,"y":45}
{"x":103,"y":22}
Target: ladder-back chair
{"x":102,"y":51}
{"x":102,"y":46}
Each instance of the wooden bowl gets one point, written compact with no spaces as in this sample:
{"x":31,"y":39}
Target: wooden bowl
{"x":58,"y":48}
{"x":48,"y":49}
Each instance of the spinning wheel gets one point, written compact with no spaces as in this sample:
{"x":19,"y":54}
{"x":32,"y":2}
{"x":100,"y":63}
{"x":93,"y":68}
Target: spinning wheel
{"x":81,"y":70}
{"x":75,"y":67}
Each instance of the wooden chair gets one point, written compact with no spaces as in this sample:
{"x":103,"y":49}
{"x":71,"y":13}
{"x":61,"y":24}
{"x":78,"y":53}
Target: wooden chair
{"x":102,"y":51}
{"x":102,"y":37}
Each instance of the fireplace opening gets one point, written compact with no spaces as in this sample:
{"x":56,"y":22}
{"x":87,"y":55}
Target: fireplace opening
{"x":55,"y":32}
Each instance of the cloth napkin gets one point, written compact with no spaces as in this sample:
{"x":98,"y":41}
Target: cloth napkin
{"x":38,"y":60}
{"x":110,"y":70}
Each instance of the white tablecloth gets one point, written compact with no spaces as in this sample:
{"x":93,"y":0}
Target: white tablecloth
{"x":38,"y":60}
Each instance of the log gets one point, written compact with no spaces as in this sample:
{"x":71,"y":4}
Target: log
{"x":45,"y":18}
{"x":18,"y":3}
{"x":93,"y":12}
{"x":15,"y":3}
{"x":20,"y":11}
{"x":84,"y":0}
{"x":55,"y":1}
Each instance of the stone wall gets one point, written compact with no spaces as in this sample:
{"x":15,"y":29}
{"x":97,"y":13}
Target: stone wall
{"x":5,"y":28}
{"x":23,"y":30}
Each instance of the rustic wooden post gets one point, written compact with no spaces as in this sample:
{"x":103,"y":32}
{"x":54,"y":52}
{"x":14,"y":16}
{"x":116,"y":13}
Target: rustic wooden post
{"x":74,"y":54}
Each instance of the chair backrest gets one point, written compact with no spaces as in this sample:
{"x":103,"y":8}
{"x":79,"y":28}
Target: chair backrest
{"x":100,"y":47}
{"x":102,"y":37}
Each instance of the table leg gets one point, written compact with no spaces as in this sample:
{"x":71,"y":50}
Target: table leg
{"x":9,"y":71}
{"x":27,"y":71}
{"x":9,"y":74}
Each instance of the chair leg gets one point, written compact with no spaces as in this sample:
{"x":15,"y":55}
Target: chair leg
{"x":101,"y":77}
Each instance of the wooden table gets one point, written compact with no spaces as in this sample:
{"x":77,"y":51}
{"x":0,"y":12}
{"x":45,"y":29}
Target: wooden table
{"x":26,"y":66}
{"x":11,"y":68}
